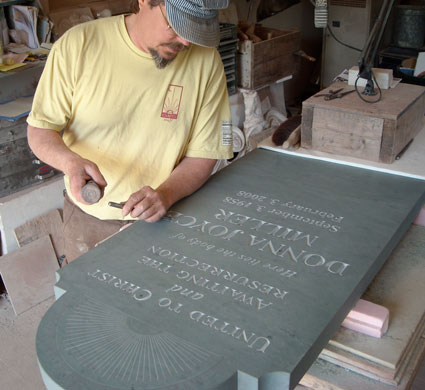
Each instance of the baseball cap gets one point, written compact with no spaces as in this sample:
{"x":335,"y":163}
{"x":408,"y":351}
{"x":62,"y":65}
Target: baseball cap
{"x":196,"y":20}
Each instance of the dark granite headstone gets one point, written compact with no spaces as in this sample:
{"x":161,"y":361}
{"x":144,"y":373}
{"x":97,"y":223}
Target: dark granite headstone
{"x":239,"y":288}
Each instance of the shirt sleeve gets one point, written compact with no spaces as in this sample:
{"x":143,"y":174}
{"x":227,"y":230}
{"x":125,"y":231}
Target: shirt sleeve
{"x":52,"y":102}
{"x":212,"y":135}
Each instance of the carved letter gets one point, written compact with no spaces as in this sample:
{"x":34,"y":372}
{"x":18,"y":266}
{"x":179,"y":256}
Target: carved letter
{"x":288,"y":273}
{"x":193,"y":221}
{"x":320,"y":261}
{"x":298,"y":236}
{"x":280,"y":294}
{"x":232,"y":234}
{"x":262,"y":305}
{"x":340,"y":267}
{"x":143,"y":297}
{"x":196,"y":315}
{"x":93,"y":275}
{"x":222,"y":230}
{"x":265,"y":345}
{"x":209,"y":321}
{"x":224,"y":216}
{"x":239,"y":219}
{"x":176,"y":287}
{"x":183,"y":274}
{"x":197,"y":296}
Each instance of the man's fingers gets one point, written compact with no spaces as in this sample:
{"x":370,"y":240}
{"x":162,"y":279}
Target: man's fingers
{"x":145,"y":204}
{"x":76,"y":184}
{"x":151,"y":214}
{"x":140,"y":209}
{"x":96,"y":176}
{"x":134,"y":200}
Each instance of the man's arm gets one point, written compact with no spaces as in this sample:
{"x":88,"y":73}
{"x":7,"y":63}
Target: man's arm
{"x":151,"y":205}
{"x":49,"y":147}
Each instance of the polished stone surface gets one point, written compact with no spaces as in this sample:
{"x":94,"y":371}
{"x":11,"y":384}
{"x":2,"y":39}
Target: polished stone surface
{"x":239,"y":288}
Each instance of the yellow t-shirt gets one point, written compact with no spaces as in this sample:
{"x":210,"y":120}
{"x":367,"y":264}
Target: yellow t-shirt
{"x":136,"y":122}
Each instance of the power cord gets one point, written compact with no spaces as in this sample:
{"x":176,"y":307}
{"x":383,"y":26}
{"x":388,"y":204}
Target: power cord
{"x":340,"y":42}
{"x":360,"y":95}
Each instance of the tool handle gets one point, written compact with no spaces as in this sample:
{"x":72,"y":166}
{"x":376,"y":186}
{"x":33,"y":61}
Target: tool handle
{"x":91,"y":192}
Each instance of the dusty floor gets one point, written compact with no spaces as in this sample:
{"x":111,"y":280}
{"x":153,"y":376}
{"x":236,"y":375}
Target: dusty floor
{"x":18,"y":361}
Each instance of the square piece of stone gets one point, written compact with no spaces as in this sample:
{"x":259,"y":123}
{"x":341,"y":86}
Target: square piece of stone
{"x":29,"y":274}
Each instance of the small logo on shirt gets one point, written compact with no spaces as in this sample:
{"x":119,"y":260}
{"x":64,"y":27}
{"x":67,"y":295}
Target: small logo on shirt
{"x":172,"y":100}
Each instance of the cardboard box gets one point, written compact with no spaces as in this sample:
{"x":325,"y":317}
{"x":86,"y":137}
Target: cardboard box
{"x":67,"y":13}
{"x":266,"y":62}
{"x":351,"y":127}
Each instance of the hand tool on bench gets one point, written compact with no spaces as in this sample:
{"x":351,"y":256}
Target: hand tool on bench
{"x":334,"y":94}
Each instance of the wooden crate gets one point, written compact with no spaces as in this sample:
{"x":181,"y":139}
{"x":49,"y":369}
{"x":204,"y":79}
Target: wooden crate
{"x":265,"y":62}
{"x":351,"y":127}
{"x":67,"y":13}
{"x":116,"y":6}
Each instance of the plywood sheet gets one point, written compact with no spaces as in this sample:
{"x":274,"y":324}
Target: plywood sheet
{"x":342,"y":379}
{"x":29,"y":274}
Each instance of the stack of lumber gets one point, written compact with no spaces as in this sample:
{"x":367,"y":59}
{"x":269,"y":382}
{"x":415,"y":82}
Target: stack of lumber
{"x":392,"y":361}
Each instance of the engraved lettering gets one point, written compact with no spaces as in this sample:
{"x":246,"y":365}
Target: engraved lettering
{"x":192,"y":220}
{"x":339,"y":265}
{"x":223,"y":215}
{"x":196,"y":315}
{"x":266,"y":343}
{"x":209,"y":321}
{"x":320,"y":260}
{"x":142,"y":297}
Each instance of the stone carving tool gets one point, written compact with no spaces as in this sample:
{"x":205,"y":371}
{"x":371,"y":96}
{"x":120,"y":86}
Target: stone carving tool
{"x":117,"y":205}
{"x":91,"y":192}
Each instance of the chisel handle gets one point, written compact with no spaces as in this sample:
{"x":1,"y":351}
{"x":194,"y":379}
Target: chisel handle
{"x":91,"y":192}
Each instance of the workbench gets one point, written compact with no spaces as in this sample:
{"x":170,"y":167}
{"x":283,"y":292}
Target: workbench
{"x":410,"y":164}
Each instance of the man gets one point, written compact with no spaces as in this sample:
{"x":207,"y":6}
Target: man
{"x":142,"y":103}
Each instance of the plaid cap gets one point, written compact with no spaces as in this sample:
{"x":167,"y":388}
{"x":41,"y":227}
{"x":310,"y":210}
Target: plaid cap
{"x":196,"y":20}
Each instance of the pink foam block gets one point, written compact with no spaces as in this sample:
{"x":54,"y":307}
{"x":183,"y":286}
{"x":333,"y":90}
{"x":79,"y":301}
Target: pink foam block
{"x":368,"y":318}
{"x":420,"y":219}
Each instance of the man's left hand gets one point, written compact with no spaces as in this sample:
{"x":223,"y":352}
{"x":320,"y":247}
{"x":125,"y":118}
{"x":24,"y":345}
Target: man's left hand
{"x":146,"y":204}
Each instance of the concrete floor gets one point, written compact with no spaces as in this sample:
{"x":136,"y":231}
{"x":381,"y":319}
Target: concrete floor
{"x":18,"y":361}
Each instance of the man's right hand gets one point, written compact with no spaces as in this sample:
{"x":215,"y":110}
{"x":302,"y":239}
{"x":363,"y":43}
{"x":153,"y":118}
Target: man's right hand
{"x":80,"y":171}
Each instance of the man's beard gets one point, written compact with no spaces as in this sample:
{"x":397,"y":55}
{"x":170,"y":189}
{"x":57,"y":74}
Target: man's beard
{"x":162,"y":62}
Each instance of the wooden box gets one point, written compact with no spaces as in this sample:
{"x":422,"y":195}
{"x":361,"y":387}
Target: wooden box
{"x":67,"y":13}
{"x":265,"y":62}
{"x":351,"y":127}
{"x":116,"y":6}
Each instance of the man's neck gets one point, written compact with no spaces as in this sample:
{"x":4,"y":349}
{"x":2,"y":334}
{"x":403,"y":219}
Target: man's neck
{"x":132,"y":24}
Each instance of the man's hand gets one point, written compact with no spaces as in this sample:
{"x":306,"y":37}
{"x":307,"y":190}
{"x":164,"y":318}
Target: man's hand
{"x":146,"y":204}
{"x":151,"y":205}
{"x":80,"y":171}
